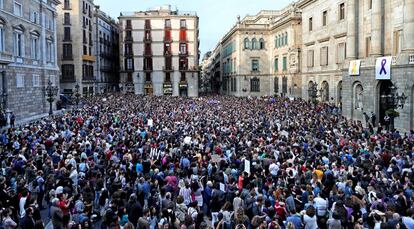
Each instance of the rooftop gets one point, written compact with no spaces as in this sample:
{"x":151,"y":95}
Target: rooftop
{"x":159,"y":11}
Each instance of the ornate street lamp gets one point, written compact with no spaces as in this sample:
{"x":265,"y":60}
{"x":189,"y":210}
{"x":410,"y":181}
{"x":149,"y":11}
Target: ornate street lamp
{"x":77,"y":95}
{"x":50,"y":92}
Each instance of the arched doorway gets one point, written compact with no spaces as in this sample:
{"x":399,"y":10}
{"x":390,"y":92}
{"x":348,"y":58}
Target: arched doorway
{"x":325,"y":92}
{"x":384,"y":91}
{"x":339,"y":94}
{"x":310,"y":86}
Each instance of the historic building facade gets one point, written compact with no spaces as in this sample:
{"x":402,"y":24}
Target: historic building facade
{"x":324,"y":36}
{"x":260,"y":55}
{"x":27,"y":56}
{"x":159,"y":52}
{"x":107,"y":52}
{"x":76,"y":49}
{"x":380,"y":51}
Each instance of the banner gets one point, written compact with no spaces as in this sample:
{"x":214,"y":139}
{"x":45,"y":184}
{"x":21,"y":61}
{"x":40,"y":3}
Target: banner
{"x":354,"y":66}
{"x":383,"y":68}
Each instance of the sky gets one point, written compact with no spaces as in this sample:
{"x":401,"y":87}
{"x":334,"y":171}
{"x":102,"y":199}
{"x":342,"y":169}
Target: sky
{"x":216,"y":16}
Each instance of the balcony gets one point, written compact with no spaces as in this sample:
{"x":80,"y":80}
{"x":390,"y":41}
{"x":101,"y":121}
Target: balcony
{"x":67,"y":6}
{"x":148,"y":69}
{"x":147,"y":53}
{"x":167,"y":53}
{"x":183,"y":54}
{"x":88,"y":58}
{"x":67,"y":57}
{"x":168,"y":68}
{"x":68,"y":79}
{"x":147,"y":40}
{"x":6,"y":58}
{"x":128,"y":39}
{"x":167,"y":40}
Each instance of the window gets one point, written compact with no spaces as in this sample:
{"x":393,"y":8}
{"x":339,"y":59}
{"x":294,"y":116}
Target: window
{"x":66,"y":19}
{"x":66,"y":34}
{"x":276,"y":42}
{"x":167,"y":23}
{"x":1,"y":4}
{"x":1,"y":38}
{"x":49,"y":51}
{"x":284,"y":63}
{"x":129,"y":64}
{"x":341,"y":54}
{"x":310,"y":24}
{"x":324,"y":56}
{"x":34,"y":17}
{"x":255,"y":65}
{"x":18,"y":43}
{"x":18,"y":9}
{"x":183,"y":48}
{"x":85,"y":50}
{"x":276,"y":85}
{"x":324,"y":18}
{"x":397,"y":42}
{"x":369,"y":4}
{"x":67,"y":51}
{"x":246,"y":43}
{"x":66,"y":4}
{"x":286,"y":38}
{"x":128,"y":49}
{"x":36,"y":80}
{"x":34,"y":47}
{"x":280,"y":41}
{"x":254,"y":43}
{"x":19,"y":80}
{"x":284,"y":85}
{"x":183,"y":24}
{"x":68,"y":71}
{"x":276,"y":64}
{"x":262,"y":43}
{"x":255,"y":85}
{"x":310,"y":58}
{"x":367,"y":46}
{"x":342,"y":11}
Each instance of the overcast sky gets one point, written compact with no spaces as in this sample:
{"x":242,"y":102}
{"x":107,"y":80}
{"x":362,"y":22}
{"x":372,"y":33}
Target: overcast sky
{"x":216,"y":16}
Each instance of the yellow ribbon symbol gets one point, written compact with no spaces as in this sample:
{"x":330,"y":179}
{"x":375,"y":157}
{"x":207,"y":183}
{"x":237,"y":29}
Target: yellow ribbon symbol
{"x":354,"y":68}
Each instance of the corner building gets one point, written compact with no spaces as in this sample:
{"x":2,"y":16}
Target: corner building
{"x":159,"y":52}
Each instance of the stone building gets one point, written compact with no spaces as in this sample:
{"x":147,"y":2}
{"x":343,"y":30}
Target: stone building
{"x":107,"y":52}
{"x":378,"y":29}
{"x":260,"y":55}
{"x":27,"y":56}
{"x":159,"y":52}
{"x":324,"y":37}
{"x":76,"y":49}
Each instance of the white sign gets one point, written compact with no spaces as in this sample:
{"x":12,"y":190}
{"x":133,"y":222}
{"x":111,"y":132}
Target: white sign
{"x":187,"y":140}
{"x":354,"y":66}
{"x":150,"y":122}
{"x":383,"y":68}
{"x":222,"y":187}
{"x":247,"y":166}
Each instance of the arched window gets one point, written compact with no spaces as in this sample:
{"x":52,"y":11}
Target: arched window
{"x":262,"y":43}
{"x":286,"y":38}
{"x":254,"y":43}
{"x":246,"y":43}
{"x":358,"y":97}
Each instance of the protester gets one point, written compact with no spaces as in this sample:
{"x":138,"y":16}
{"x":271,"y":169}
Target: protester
{"x":214,"y":162}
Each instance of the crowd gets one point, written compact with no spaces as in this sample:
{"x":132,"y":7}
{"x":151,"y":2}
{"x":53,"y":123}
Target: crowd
{"x":125,"y":161}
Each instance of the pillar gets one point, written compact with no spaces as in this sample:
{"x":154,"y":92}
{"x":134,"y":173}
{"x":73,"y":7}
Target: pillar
{"x":376,"y":24}
{"x":408,"y":27}
{"x":351,"y":35}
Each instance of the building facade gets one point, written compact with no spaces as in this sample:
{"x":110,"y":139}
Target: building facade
{"x":107,"y":52}
{"x":324,"y":37}
{"x":27,"y":55}
{"x":377,"y":30}
{"x":76,"y":49}
{"x":159,"y":52}
{"x":260,"y":55}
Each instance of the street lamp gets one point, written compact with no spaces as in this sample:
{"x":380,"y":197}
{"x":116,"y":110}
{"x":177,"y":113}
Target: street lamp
{"x":77,"y":95}
{"x":51,"y":91}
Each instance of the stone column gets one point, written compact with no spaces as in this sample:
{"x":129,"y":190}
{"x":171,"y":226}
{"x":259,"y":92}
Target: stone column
{"x":408,"y":27}
{"x":376,"y":23}
{"x":351,"y":38}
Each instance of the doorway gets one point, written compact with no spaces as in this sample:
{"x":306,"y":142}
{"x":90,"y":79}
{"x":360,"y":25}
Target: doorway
{"x":384,"y":103}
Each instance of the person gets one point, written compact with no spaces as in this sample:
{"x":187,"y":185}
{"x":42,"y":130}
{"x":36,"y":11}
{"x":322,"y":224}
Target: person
{"x":309,"y":218}
{"x":12,"y":119}
{"x":56,"y":214}
{"x":7,"y":221}
{"x":366,"y":119}
{"x":27,"y":222}
{"x":373,"y":119}
{"x":143,"y":221}
{"x":387,"y":122}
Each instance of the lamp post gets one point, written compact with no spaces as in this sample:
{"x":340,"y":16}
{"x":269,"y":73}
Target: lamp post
{"x":77,"y":95}
{"x":51,"y":91}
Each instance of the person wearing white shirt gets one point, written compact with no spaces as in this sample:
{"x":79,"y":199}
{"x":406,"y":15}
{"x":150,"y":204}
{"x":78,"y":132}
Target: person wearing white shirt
{"x":273,"y":169}
{"x":321,"y":205}
{"x":22,"y":203}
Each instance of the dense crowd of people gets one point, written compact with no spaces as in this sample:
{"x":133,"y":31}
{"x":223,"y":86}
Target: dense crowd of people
{"x":126,"y":161}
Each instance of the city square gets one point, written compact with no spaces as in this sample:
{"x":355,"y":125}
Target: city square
{"x":298,"y":115}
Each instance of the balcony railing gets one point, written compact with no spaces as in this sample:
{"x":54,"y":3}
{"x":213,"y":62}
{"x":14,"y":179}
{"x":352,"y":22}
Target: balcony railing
{"x":167,"y":39}
{"x":68,"y":79}
{"x":168,"y":68}
{"x":183,"y":53}
{"x":147,"y":39}
{"x":67,"y":6}
{"x":67,"y":57}
{"x":148,"y":53}
{"x":6,"y":58}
